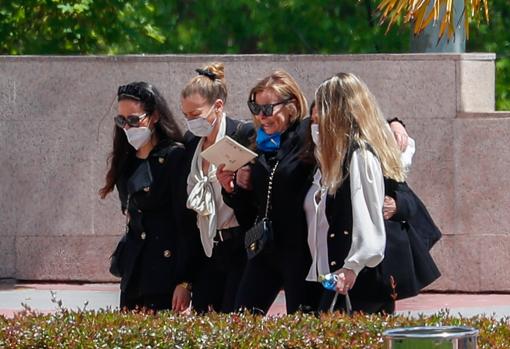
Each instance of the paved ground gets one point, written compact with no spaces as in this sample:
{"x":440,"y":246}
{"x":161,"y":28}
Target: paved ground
{"x":43,"y":297}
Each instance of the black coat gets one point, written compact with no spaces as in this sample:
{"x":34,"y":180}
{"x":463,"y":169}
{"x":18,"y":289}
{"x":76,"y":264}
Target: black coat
{"x":423,"y":223}
{"x":285,"y":262}
{"x":155,"y":257}
{"x":407,"y":258}
{"x":407,"y":266}
{"x":292,"y":180}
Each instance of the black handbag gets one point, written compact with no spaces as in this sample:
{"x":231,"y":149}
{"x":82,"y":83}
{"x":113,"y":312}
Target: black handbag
{"x":258,"y":237}
{"x":115,"y":264}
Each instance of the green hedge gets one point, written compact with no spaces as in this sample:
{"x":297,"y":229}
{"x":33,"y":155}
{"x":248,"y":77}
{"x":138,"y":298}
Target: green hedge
{"x":109,"y":329}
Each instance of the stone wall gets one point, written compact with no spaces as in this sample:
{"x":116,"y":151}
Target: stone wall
{"x":56,"y":125}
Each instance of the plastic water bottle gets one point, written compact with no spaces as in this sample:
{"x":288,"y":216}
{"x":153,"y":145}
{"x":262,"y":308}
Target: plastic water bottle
{"x":328,"y":281}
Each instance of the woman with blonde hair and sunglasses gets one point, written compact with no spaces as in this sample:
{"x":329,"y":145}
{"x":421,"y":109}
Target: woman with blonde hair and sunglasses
{"x":355,"y":151}
{"x":278,"y":107}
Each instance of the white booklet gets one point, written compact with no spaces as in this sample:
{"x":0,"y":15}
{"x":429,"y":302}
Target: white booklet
{"x":229,"y":152}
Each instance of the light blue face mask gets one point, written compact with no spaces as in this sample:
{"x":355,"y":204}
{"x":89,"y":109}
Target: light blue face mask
{"x":266,"y":142}
{"x":199,"y":126}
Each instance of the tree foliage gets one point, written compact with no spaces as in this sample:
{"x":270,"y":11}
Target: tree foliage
{"x":188,"y":26}
{"x":494,"y":37}
{"x":223,"y":26}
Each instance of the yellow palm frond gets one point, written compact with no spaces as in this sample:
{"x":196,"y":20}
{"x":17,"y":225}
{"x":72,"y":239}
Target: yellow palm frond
{"x":423,"y":12}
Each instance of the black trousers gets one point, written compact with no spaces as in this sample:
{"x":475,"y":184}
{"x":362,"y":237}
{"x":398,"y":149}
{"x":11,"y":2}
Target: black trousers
{"x":268,"y":273}
{"x":216,"y":284}
{"x":148,"y":302}
{"x":359,"y":305}
{"x":134,"y":297}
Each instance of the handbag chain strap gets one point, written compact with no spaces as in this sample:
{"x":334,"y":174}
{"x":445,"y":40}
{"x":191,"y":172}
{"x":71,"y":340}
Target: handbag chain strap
{"x":127,"y":214}
{"x":270,"y":187}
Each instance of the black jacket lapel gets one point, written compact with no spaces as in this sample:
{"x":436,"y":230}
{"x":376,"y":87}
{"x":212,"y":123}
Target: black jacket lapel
{"x":140,"y":179}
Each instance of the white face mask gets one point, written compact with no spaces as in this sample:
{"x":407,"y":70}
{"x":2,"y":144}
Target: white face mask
{"x":199,"y":126}
{"x":314,"y":129}
{"x":138,"y":136}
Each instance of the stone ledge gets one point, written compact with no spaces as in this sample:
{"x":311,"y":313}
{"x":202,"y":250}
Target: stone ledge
{"x":484,"y":115}
{"x":187,"y":58}
{"x":452,"y":254}
{"x":65,"y":258}
{"x":481,"y":156}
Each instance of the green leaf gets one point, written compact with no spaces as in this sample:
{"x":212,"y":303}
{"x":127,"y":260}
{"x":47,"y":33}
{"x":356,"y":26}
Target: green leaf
{"x":154,"y":33}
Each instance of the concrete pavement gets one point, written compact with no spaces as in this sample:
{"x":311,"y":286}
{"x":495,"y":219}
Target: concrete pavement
{"x":44,"y":297}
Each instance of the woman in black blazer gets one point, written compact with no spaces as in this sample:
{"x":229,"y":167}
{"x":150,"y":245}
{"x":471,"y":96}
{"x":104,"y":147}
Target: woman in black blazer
{"x":219,"y":257}
{"x":147,"y":168}
{"x":278,"y":107}
{"x":382,"y":259}
{"x":355,"y":151}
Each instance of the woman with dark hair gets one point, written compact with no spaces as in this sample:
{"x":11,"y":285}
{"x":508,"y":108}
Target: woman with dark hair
{"x":146,"y":167}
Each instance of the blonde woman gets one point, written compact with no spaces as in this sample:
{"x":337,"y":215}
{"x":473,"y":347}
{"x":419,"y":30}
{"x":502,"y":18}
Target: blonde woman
{"x":219,"y":251}
{"x":355,"y":151}
{"x":278,"y":107}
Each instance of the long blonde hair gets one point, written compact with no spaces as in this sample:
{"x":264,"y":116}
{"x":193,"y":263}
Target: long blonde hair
{"x":209,"y":83}
{"x":349,"y":114}
{"x":284,"y":85}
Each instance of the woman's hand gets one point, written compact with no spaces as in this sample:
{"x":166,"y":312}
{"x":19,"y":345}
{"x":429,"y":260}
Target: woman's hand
{"x":389,"y":207}
{"x":226,"y":178}
{"x":346,"y":280}
{"x":243,"y":177}
{"x":400,"y":134}
{"x":181,"y":298}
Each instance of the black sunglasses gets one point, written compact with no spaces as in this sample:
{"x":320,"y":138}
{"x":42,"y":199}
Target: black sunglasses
{"x":266,"y":109}
{"x":131,"y":120}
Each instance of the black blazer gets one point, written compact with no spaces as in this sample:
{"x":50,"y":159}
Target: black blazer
{"x":423,"y":223}
{"x":154,"y":196}
{"x":407,"y":258}
{"x":407,"y":266}
{"x":291,"y":182}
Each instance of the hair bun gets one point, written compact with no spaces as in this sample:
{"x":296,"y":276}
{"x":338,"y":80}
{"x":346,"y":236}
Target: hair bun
{"x":209,"y":83}
{"x":207,"y":73}
{"x":217,"y":69}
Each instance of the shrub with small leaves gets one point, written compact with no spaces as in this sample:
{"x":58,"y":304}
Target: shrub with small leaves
{"x":111,"y":329}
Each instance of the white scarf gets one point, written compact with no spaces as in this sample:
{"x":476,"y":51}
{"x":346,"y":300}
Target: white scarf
{"x":201,"y":193}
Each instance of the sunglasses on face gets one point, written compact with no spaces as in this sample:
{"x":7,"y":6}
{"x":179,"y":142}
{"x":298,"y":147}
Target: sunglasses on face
{"x":131,"y":120}
{"x":266,"y":109}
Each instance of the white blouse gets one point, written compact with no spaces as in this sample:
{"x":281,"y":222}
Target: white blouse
{"x":318,"y":226}
{"x":204,"y":197}
{"x":407,"y":155}
{"x":368,"y":232}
